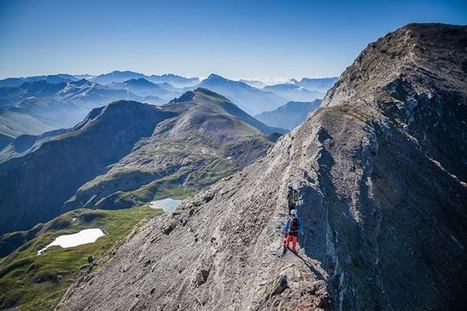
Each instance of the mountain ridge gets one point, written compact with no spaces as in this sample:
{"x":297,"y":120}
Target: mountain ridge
{"x":105,"y":159}
{"x":209,"y":139}
{"x":368,"y":195}
{"x":37,"y":104}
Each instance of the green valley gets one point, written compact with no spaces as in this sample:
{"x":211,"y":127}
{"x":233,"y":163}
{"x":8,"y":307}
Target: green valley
{"x":36,"y":282}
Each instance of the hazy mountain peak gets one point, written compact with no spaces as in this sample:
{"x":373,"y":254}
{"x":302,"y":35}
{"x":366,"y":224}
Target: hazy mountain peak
{"x":212,"y":97}
{"x":247,"y":97}
{"x":208,"y":92}
{"x":174,"y":80}
{"x":214,"y":76}
{"x":117,"y":76}
{"x":170,"y":76}
{"x":102,"y":138}
{"x":125,"y":72}
{"x":187,"y":96}
{"x":215,"y":79}
{"x":119,"y":108}
{"x":139,"y":82}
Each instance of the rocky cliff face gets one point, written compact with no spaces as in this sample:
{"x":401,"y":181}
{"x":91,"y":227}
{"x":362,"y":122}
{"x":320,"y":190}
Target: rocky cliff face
{"x":381,"y":175}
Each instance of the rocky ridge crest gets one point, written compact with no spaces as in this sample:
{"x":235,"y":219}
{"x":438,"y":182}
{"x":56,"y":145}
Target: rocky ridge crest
{"x":382,"y":204}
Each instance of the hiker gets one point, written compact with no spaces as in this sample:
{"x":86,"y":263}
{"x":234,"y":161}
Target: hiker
{"x":291,"y":230}
{"x":291,"y":197}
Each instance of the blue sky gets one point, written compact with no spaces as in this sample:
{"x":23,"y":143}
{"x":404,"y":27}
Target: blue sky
{"x":237,"y":39}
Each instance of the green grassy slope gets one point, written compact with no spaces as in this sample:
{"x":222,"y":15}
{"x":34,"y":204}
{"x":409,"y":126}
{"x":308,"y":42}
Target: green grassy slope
{"x":36,"y":282}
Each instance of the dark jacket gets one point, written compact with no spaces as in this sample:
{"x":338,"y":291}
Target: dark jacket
{"x":288,"y":226}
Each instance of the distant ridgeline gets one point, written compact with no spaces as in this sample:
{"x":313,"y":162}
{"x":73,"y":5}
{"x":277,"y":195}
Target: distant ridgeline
{"x":34,"y":105}
{"x":290,"y":115}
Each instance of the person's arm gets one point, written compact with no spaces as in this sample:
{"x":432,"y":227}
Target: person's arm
{"x":286,"y":226}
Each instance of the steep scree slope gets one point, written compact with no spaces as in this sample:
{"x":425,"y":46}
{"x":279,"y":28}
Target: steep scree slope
{"x":383,"y":203}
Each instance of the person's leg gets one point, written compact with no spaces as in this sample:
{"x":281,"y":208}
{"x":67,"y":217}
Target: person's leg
{"x":289,"y":240}
{"x":285,"y":239}
{"x":294,"y":243}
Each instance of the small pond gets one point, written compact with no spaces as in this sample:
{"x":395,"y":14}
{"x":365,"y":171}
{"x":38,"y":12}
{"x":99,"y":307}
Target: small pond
{"x":168,"y":205}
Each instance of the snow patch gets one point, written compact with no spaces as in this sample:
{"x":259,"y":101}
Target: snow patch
{"x":85,"y":236}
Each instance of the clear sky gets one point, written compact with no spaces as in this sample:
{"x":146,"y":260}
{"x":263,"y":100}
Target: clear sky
{"x":236,"y":38}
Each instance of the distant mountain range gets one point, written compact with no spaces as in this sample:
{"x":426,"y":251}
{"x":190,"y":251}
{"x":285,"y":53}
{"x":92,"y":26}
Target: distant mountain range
{"x":122,"y":76}
{"x":255,"y":83}
{"x":268,"y":97}
{"x":107,"y":78}
{"x":243,"y":94}
{"x":40,"y":106}
{"x":53,"y":79}
{"x":288,"y":116}
{"x":37,"y":104}
{"x":176,"y":81}
{"x":157,"y":92}
{"x":318,"y":84}
{"x":311,"y":84}
{"x":124,"y":153}
{"x":294,"y":92}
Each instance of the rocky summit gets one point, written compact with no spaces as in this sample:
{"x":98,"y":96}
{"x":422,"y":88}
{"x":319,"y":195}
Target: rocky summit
{"x":380,"y":171}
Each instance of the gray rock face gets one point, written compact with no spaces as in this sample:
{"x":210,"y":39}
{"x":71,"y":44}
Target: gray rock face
{"x":382,"y":202}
